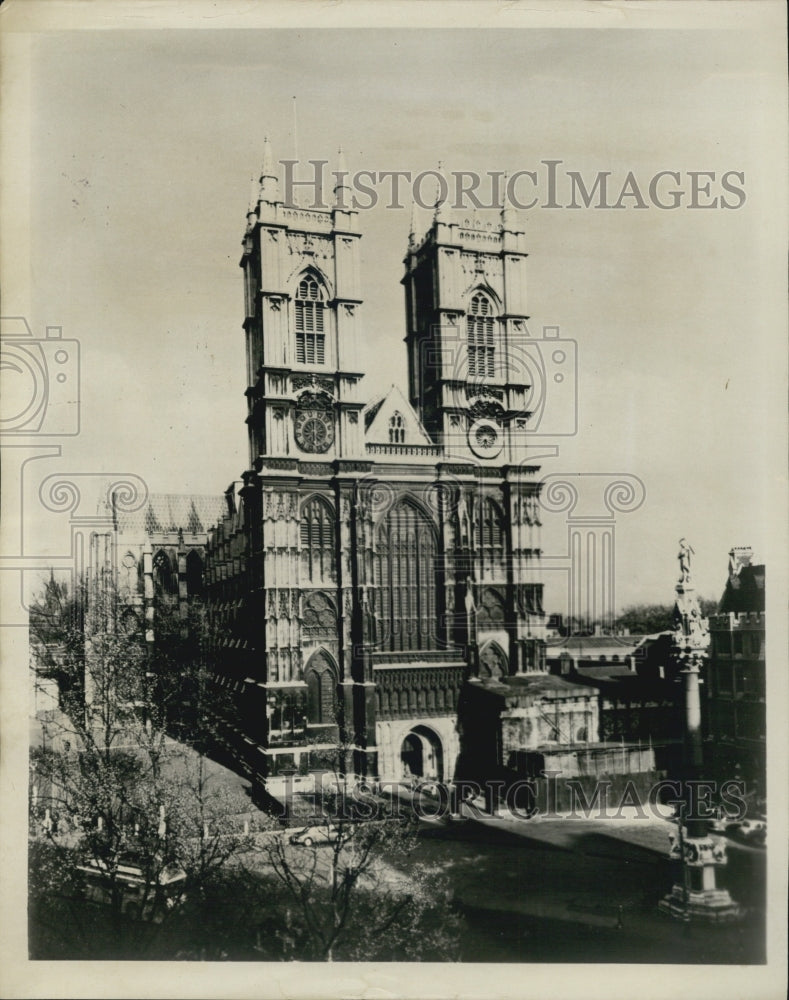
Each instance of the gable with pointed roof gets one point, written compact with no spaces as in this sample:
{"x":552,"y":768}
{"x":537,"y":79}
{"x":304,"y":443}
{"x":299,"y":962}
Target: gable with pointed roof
{"x":392,"y":420}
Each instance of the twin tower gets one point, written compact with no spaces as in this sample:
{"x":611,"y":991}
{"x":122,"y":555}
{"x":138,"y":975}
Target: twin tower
{"x":381,"y":554}
{"x":470,"y":370}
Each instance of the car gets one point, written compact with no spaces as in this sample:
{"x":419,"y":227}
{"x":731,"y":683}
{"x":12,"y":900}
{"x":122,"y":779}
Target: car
{"x":749,"y":831}
{"x":310,"y":835}
{"x":142,"y":896}
{"x":721,"y":821}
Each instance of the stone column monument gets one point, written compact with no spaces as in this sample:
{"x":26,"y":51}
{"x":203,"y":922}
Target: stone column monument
{"x":695,"y":896}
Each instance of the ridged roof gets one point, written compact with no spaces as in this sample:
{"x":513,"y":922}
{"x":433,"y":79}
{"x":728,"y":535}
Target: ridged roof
{"x":170,"y":511}
{"x":371,"y":410}
{"x":580,"y":646}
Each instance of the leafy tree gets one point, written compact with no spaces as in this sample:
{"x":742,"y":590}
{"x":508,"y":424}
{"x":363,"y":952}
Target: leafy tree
{"x":646,"y":619}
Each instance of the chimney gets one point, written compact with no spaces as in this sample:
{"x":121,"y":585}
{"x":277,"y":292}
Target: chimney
{"x":739,"y":557}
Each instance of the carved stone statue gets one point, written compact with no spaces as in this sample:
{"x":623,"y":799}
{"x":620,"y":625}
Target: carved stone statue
{"x":471,"y":604}
{"x":684,"y":554}
{"x":464,"y":522}
{"x":696,"y":629}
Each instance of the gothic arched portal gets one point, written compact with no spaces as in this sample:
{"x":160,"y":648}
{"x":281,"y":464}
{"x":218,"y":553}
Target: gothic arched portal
{"x":422,"y":754}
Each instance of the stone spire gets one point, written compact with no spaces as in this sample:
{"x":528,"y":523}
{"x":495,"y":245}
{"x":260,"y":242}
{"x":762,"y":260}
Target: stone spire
{"x":269,"y":181}
{"x":342,"y":190}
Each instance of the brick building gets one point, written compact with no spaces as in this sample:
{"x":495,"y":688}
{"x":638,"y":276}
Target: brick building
{"x":735,"y":689}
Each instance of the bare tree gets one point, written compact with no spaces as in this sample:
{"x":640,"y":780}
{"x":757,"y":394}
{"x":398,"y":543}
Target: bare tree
{"x":356,"y":887}
{"x":109,"y":787}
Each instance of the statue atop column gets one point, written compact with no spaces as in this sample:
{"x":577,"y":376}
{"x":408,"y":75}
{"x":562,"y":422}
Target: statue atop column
{"x":691,"y":628}
{"x":685,"y":552}
{"x":695,"y":895}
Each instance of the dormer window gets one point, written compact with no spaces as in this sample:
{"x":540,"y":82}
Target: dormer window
{"x":396,"y":428}
{"x":310,"y":337}
{"x":480,"y":333}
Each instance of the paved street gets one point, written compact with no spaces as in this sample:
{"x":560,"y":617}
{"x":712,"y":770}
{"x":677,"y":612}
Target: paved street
{"x":556,"y":890}
{"x":548,"y":890}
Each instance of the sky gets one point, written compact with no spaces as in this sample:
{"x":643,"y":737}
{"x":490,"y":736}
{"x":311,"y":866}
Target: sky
{"x":142,"y":145}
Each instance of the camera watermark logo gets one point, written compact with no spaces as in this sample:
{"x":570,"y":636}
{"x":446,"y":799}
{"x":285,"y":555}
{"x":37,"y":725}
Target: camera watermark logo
{"x":40,"y":381}
{"x":552,"y":402}
{"x":529,"y":382}
{"x":590,"y":503}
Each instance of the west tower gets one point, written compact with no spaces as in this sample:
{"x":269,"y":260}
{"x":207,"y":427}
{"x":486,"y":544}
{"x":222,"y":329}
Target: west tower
{"x":465,"y":289}
{"x":302,"y":295}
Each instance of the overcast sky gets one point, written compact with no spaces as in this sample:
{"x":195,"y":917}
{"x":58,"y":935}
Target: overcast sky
{"x":142,"y":147}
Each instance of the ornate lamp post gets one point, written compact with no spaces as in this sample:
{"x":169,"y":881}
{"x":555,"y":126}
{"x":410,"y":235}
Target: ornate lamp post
{"x":696,"y":896}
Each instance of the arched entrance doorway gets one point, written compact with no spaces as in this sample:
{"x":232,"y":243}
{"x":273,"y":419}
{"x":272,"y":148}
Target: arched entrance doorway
{"x":422,"y":755}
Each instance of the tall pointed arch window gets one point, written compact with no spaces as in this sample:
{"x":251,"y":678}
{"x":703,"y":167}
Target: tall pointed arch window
{"x":310,"y":335}
{"x":480,"y":330}
{"x":165,"y":575}
{"x":492,"y":661}
{"x":491,"y":538}
{"x":320,"y":676}
{"x":405,"y":573}
{"x":396,"y":428}
{"x":194,"y":574}
{"x":317,"y":541}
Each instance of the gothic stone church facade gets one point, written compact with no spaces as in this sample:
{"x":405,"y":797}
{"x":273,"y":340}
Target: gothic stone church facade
{"x":378,"y":557}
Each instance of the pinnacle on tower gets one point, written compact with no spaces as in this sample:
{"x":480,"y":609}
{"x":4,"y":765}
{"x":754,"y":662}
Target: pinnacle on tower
{"x":269,"y":181}
{"x":254,"y":192}
{"x":342,"y":191}
{"x":507,"y":216}
{"x":412,"y":226}
{"x":441,"y":213}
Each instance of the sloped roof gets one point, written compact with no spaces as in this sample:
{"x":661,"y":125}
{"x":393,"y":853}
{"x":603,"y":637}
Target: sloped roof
{"x":541,"y":683}
{"x":377,"y":414}
{"x":371,"y":410}
{"x":193,"y":513}
{"x":535,"y":685}
{"x":608,"y":671}
{"x":579,"y":646}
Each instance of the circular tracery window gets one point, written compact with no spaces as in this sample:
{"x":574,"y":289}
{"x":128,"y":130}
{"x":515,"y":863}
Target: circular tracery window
{"x":485,"y":438}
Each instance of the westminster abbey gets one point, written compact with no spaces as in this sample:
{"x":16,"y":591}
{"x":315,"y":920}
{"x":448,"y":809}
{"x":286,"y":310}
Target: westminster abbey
{"x":378,"y":555}
{"x":372,"y":583}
